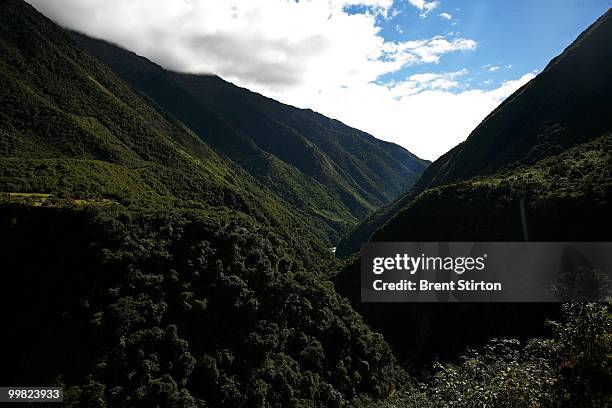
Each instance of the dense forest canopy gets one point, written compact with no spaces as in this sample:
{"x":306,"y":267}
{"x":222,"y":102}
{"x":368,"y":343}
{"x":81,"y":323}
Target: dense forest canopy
{"x":178,"y":308}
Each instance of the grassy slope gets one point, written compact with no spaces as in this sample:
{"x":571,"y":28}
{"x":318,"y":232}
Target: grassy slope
{"x":565,"y":105}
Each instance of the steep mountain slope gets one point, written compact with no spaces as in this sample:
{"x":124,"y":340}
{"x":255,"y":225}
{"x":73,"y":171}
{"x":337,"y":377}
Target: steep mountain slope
{"x":565,"y":105}
{"x":141,"y":268}
{"x":560,"y":190}
{"x":325,"y":168}
{"x":69,"y":126}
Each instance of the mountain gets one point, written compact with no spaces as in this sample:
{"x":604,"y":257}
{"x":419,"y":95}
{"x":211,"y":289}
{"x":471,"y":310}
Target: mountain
{"x":140,"y":267}
{"x":325,"y":168}
{"x":537,"y":168}
{"x":566,"y":105}
{"x":69,"y":127}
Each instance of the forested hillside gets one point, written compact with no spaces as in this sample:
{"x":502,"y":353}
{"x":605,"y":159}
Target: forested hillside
{"x":565,"y":197}
{"x":69,"y":127}
{"x":140,"y":267}
{"x":177,"y":309}
{"x":325,"y":168}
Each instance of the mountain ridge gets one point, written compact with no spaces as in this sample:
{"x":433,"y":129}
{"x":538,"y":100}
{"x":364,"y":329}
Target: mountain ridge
{"x":296,"y":152}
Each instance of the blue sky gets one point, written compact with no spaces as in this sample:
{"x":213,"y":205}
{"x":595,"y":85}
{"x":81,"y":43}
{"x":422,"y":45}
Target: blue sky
{"x":518,"y":33}
{"x":420,"y":73}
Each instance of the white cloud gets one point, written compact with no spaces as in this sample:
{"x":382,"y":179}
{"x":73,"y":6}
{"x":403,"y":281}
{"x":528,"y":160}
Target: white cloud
{"x":426,"y":51}
{"x":445,"y":16}
{"x":376,"y":6}
{"x":426,"y":81}
{"x":429,"y":121}
{"x":493,"y":68}
{"x":425,"y":7}
{"x":267,"y":44}
{"x":383,"y":4}
{"x":310,"y":54}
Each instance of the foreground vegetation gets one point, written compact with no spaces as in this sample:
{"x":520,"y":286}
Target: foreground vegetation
{"x":200,"y":308}
{"x":178,"y":308}
{"x":572,"y":368}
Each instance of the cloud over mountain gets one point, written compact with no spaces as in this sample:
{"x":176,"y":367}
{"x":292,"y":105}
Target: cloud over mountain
{"x":306,"y":53}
